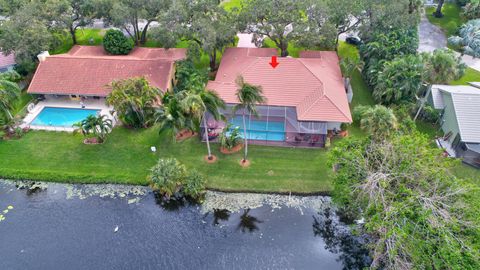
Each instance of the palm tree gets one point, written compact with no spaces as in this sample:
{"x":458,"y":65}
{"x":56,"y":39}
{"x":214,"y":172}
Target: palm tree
{"x":197,"y":103}
{"x":378,"y":120}
{"x":9,"y":93}
{"x":248,"y":97}
{"x":171,"y":115}
{"x":99,"y":126}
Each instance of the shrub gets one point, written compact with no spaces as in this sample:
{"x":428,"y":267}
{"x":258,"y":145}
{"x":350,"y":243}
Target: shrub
{"x":116,"y":43}
{"x":167,"y":176}
{"x":170,"y":178}
{"x":229,"y":138}
{"x":135,"y":101}
{"x":194,"y":185}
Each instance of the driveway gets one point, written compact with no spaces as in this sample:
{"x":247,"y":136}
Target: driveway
{"x":431,"y":37}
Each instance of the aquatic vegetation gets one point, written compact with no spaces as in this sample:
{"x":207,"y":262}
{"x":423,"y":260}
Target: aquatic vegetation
{"x":234,"y":202}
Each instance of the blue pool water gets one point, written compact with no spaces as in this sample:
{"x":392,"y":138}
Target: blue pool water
{"x":61,"y":117}
{"x":261,"y":130}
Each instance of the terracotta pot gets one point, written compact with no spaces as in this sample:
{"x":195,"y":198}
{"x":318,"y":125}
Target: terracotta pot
{"x":344,"y":133}
{"x":235,"y":149}
{"x":184,"y":134}
{"x":91,"y":141}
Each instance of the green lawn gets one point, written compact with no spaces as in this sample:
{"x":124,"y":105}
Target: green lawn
{"x":125,"y":158}
{"x":471,"y":75}
{"x":85,"y":36}
{"x":230,"y":4}
{"x":451,"y":20}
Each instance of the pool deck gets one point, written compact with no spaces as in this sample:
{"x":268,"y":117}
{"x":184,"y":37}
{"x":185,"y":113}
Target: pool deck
{"x":64,"y":102}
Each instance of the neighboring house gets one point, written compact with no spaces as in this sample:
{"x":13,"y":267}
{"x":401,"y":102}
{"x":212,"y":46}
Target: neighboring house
{"x":86,"y":71}
{"x":460,"y":120}
{"x":75,"y":84}
{"x":306,"y":96}
{"x":7,"y":62}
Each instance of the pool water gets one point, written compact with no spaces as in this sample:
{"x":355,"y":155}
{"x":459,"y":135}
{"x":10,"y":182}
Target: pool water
{"x":61,"y":117}
{"x":261,"y":130}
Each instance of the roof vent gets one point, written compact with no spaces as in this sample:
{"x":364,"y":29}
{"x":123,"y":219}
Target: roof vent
{"x":43,"y":56}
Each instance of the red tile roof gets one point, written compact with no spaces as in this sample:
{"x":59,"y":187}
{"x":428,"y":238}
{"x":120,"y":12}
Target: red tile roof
{"x":6,"y":60}
{"x":87,"y":70}
{"x":313,"y":83}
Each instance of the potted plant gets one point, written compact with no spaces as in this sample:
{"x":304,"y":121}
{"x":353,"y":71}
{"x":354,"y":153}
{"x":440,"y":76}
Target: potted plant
{"x":230,"y":140}
{"x":343,"y":130}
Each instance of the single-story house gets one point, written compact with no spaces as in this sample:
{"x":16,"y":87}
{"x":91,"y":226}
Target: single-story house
{"x":305,"y":97}
{"x":7,"y":62}
{"x":460,"y":120}
{"x":87,"y":71}
{"x":74,"y":85}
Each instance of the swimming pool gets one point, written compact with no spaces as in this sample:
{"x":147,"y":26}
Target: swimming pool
{"x":261,"y":130}
{"x":61,"y":117}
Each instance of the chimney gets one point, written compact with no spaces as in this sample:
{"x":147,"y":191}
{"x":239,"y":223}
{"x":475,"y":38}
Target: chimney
{"x":43,"y":56}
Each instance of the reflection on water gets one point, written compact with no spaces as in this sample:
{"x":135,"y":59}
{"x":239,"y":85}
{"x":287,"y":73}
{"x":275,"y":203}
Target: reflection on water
{"x":73,"y":227}
{"x":248,"y":222}
{"x":220,"y":215}
{"x":339,"y":240}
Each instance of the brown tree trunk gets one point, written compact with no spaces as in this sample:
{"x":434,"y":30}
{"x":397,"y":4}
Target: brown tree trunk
{"x":213,"y":60}
{"x":438,"y":13}
{"x":143,"y":38}
{"x":72,"y":33}
{"x":284,"y":48}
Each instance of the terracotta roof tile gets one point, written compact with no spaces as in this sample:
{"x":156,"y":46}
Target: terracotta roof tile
{"x":87,"y":70}
{"x":313,"y":85}
{"x":7,"y":60}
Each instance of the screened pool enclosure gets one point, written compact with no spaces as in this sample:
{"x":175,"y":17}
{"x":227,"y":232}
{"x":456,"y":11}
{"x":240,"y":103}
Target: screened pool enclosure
{"x":275,"y":125}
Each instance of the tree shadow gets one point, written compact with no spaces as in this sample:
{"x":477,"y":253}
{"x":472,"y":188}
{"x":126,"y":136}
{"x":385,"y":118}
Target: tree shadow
{"x":339,"y":239}
{"x":248,"y":222}
{"x":173,"y":203}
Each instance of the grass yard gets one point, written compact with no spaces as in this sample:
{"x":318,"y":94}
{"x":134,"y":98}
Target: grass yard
{"x":125,"y":158}
{"x":471,"y":75}
{"x":230,"y":4}
{"x":85,"y":36}
{"x":451,"y":20}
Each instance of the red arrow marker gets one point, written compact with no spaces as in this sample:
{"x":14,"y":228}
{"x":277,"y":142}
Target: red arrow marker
{"x":274,"y":62}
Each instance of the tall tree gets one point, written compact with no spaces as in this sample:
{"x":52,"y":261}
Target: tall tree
{"x":203,"y":22}
{"x":135,"y":17}
{"x":9,"y":93}
{"x":248,"y":96}
{"x":171,"y":115}
{"x":440,"y":67}
{"x":70,"y":14}
{"x":417,"y":215}
{"x":438,"y":11}
{"x":26,"y":33}
{"x":381,"y":16}
{"x":200,"y":102}
{"x":338,"y":16}
{"x":400,"y":80}
{"x":281,"y":21}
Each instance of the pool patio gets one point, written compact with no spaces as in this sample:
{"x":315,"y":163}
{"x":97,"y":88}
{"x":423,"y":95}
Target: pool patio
{"x":64,"y":102}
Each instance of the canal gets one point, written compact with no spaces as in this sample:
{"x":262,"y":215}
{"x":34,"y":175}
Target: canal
{"x":58,"y":226}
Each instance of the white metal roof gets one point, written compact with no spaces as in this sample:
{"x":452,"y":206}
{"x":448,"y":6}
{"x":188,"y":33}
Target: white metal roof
{"x":466,"y":103}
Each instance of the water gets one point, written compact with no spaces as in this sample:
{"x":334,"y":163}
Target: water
{"x":61,"y":117}
{"x":261,"y":130}
{"x":73,"y":227}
